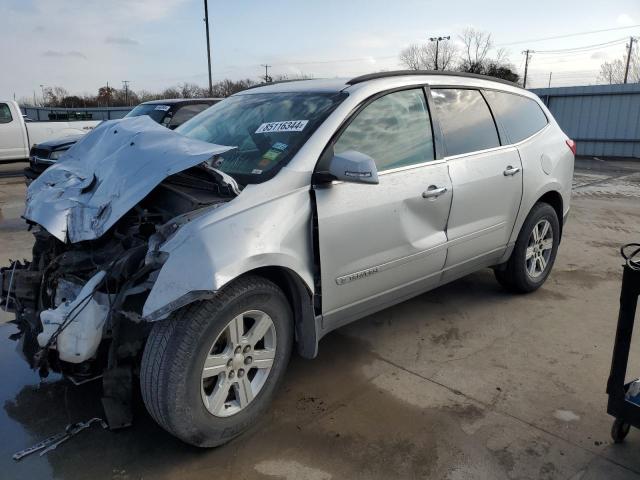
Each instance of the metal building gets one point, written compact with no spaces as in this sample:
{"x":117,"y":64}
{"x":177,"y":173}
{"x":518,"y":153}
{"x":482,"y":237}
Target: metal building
{"x":604,"y":120}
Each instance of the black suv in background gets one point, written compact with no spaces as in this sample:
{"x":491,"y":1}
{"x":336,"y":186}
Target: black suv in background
{"x":171,"y":113}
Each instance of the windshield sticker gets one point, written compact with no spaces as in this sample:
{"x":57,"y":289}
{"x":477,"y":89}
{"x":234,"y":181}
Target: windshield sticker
{"x":270,"y":156}
{"x":289,"y":126}
{"x":280,"y":146}
{"x":164,"y":108}
{"x":255,"y":171}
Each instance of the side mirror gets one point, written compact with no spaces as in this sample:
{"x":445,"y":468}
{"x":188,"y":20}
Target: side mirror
{"x":355,"y":167}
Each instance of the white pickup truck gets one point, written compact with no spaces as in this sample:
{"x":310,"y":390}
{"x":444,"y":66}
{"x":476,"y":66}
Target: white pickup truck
{"x":17,"y":136}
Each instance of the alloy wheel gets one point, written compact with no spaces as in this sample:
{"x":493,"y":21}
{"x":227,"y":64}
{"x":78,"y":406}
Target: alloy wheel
{"x":539,"y":248}
{"x":238,"y":363}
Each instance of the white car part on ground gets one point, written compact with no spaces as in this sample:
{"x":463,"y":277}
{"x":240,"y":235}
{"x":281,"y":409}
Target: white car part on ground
{"x":84,"y":318}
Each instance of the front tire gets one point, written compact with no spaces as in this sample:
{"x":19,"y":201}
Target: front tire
{"x":210,"y":370}
{"x":534,"y":253}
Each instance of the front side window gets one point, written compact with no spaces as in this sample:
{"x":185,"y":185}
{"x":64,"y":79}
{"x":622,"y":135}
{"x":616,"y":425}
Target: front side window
{"x":394,"y":130}
{"x":465,"y":120}
{"x":521,"y":117}
{"x":267,"y":129}
{"x":5,"y":113}
{"x":186,"y":112}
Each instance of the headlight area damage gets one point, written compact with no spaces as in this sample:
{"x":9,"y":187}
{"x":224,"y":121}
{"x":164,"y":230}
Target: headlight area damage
{"x":98,"y":217}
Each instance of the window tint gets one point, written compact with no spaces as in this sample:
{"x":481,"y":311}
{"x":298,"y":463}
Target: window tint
{"x":521,"y":117}
{"x":394,"y":130}
{"x":186,"y":112}
{"x":465,"y":119}
{"x":5,"y":113}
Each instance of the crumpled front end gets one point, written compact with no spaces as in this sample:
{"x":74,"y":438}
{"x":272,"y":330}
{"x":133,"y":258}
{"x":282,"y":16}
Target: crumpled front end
{"x":98,"y":217}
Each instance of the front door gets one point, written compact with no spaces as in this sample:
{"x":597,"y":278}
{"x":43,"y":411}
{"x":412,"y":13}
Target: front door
{"x":380,"y":244}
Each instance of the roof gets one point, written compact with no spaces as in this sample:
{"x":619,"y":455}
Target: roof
{"x":319,"y":85}
{"x":172,"y":101}
{"x":339,"y":84}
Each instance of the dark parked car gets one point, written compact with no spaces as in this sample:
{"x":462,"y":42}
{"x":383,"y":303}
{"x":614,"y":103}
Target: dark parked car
{"x":171,"y":113}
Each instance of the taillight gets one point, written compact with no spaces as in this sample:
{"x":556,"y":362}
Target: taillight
{"x":572,"y":146}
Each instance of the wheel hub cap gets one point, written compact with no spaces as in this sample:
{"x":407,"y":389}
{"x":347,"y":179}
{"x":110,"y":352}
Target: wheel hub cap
{"x":238,"y":363}
{"x":539,"y":249}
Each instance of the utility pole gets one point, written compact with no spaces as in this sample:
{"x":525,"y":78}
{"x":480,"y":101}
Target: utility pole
{"x":626,"y":68}
{"x":267,"y":78}
{"x":108,"y":96}
{"x":125,"y":83}
{"x":549,"y":86}
{"x":42,"y":89}
{"x":206,"y":22}
{"x":526,"y":66}
{"x":438,"y":40}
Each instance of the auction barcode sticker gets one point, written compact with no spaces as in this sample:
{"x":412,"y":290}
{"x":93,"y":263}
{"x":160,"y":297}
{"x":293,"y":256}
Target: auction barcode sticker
{"x":288,"y":126}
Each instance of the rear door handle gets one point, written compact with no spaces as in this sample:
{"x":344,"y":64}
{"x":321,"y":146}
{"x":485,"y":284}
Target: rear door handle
{"x":509,"y":171}
{"x":433,"y":191}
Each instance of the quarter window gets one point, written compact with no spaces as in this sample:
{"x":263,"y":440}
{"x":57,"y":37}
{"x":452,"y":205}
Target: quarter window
{"x":394,"y":130}
{"x":521,"y":117}
{"x":5,"y":113}
{"x":465,"y":119}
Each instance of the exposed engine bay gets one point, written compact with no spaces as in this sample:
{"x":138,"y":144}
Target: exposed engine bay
{"x":78,"y":304}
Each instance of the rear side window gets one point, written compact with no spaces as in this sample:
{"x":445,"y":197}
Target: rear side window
{"x":394,"y":130}
{"x":465,"y":119}
{"x":5,"y":113}
{"x":521,"y":117}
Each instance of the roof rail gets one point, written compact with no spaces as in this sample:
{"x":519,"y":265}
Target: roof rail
{"x":401,"y":73}
{"x":266,"y":84}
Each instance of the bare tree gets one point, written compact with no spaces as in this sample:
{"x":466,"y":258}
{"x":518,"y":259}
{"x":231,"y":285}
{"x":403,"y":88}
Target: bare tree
{"x":190,"y":90}
{"x":54,"y":95}
{"x":414,"y":57}
{"x":423,"y":57}
{"x":447,"y":53}
{"x":613,"y":72}
{"x":476,"y":47}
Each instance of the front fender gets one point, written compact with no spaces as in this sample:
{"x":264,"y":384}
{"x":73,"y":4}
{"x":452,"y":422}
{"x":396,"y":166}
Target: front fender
{"x":213,"y":249}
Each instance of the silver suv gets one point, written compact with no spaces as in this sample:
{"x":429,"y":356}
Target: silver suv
{"x":203,"y":255}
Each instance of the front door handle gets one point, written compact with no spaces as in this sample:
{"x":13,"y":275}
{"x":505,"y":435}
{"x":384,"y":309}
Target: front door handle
{"x":433,"y":191}
{"x":509,"y":171}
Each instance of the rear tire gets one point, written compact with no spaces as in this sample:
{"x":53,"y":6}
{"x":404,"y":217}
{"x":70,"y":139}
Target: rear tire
{"x":534,"y":253}
{"x":186,"y":397}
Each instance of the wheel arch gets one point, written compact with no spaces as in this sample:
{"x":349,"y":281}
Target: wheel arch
{"x":554,"y":198}
{"x":300,"y":299}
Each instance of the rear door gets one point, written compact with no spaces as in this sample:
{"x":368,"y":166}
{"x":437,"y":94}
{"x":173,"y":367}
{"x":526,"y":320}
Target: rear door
{"x":382,"y":243}
{"x":12,"y":135}
{"x":486,"y":177}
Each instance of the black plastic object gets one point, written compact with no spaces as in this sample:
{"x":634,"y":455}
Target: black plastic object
{"x":626,"y":413}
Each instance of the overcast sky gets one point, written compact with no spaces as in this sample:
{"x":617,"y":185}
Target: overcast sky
{"x":82,"y":44}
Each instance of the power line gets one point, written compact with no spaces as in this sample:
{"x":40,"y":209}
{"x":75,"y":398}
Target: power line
{"x":125,"y":83}
{"x":626,"y":68}
{"x":596,"y":46}
{"x":267,"y":78}
{"x":576,"y":34}
{"x":206,"y":22}
{"x":526,"y":66}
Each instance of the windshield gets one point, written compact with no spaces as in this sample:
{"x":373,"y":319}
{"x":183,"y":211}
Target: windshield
{"x":155,"y":111}
{"x":267,"y":129}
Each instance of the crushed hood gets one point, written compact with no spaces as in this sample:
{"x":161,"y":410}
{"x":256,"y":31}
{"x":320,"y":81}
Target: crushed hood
{"x":107,"y":173}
